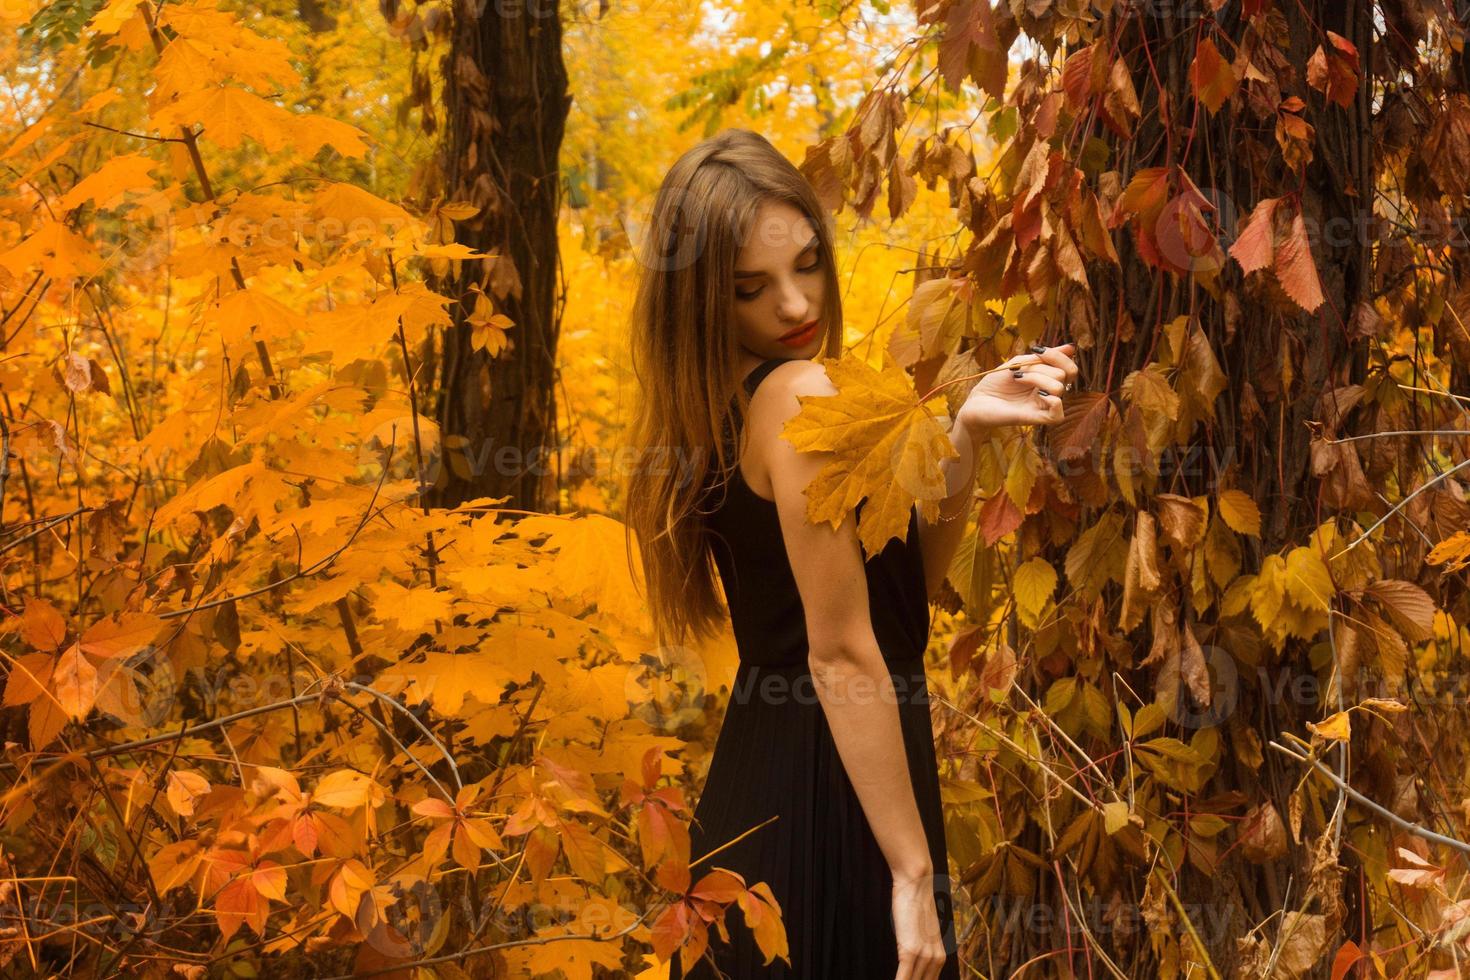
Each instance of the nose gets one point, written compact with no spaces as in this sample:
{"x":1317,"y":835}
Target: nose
{"x":794,"y":307}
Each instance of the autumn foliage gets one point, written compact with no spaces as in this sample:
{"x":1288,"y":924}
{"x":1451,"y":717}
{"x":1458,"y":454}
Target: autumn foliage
{"x":1199,"y":669}
{"x":1209,"y":703}
{"x":266,"y":713}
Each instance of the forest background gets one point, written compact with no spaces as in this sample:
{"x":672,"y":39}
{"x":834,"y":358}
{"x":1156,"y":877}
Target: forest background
{"x":304,"y":677}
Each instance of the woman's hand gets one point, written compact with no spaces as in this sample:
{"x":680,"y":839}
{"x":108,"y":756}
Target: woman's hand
{"x":921,"y":952}
{"x":1025,"y":390}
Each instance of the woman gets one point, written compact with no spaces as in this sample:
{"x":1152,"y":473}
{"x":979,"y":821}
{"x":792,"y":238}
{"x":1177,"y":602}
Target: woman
{"x":826,"y":749}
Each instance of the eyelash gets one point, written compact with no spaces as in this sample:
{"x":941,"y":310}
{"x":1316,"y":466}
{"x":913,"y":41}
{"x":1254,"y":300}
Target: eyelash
{"x":810,"y":268}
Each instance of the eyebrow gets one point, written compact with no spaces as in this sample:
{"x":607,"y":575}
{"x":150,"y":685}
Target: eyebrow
{"x":804,"y":249}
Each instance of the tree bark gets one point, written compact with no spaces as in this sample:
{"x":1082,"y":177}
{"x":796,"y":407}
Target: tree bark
{"x":1272,"y":449}
{"x":505,"y":109}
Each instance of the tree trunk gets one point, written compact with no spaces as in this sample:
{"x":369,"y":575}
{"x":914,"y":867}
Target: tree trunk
{"x":505,"y":109}
{"x":1254,"y":335}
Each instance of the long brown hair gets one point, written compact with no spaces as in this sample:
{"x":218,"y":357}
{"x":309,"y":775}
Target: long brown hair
{"x":685,"y":356}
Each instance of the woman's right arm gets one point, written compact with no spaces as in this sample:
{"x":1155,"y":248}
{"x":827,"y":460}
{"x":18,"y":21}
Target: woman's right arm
{"x":848,"y":670}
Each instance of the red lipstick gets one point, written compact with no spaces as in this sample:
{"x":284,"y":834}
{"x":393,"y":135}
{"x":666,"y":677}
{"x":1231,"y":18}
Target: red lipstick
{"x":801,"y":335}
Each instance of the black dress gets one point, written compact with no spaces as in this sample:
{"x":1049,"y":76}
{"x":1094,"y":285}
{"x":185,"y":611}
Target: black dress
{"x":775,"y":757}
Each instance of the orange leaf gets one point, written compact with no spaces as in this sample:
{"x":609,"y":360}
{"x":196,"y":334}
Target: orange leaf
{"x":1144,"y":195}
{"x":763,"y":915}
{"x":348,"y":885}
{"x":584,"y":852}
{"x":122,"y":635}
{"x":74,"y":682}
{"x":239,"y":902}
{"x":1295,"y":269}
{"x":41,"y":625}
{"x":719,"y":885}
{"x":30,"y":677}
{"x":1255,"y":247}
{"x":1335,"y":73}
{"x":466,"y":852}
{"x":1346,"y":957}
{"x":269,"y":879}
{"x":1213,"y":79}
{"x":669,"y":930}
{"x":432,"y":806}
{"x":184,"y":788}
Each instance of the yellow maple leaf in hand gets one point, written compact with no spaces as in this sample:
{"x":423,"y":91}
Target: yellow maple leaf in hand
{"x":886,"y":450}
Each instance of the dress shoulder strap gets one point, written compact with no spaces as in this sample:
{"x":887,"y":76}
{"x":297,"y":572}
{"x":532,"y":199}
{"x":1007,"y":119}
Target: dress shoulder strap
{"x":752,"y":381}
{"x":756,"y":376}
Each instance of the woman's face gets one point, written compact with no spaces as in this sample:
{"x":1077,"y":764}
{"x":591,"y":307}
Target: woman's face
{"x":779,"y":285}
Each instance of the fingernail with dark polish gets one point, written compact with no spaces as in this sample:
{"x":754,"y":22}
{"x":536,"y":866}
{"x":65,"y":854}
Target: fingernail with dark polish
{"x":1038,"y":349}
{"x":1018,"y":374}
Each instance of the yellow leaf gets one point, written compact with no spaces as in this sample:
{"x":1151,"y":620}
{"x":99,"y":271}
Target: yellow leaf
{"x":228,"y":114}
{"x":1035,"y":581}
{"x":458,"y":210}
{"x":412,"y":609}
{"x":347,"y":886}
{"x":346,"y":789}
{"x":112,"y":17}
{"x":1307,"y":580}
{"x":584,"y":852}
{"x":449,"y":250}
{"x":174,"y":865}
{"x":1240,"y":512}
{"x":246,"y":315}
{"x":1150,"y":390}
{"x":1222,"y":552}
{"x":886,"y":451}
{"x":360,"y":214}
{"x":1453,"y":552}
{"x":1385,"y":704}
{"x":591,"y":562}
{"x":1097,"y":555}
{"x":110,"y":181}
{"x":228,"y":50}
{"x":938,"y":314}
{"x":446,"y":679}
{"x":1268,"y":590}
{"x":184,"y":789}
{"x":1115,"y":816}
{"x":1336,"y":727}
{"x":57,"y":249}
{"x":573,"y":957}
{"x":121,"y":635}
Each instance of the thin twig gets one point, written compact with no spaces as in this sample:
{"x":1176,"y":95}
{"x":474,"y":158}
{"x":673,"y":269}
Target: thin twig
{"x":1399,"y":506}
{"x":1373,"y":805}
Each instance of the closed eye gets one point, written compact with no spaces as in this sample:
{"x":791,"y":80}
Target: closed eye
{"x":815,"y":266}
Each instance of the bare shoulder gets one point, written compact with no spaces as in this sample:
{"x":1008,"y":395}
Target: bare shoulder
{"x":775,"y":402}
{"x":797,"y":377}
